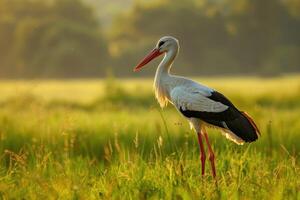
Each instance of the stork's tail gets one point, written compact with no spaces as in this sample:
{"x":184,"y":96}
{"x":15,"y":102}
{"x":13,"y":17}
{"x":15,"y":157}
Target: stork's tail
{"x":244,"y":127}
{"x":257,"y":131}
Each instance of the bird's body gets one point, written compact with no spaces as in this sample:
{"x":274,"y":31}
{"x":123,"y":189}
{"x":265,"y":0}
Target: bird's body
{"x":201,"y":105}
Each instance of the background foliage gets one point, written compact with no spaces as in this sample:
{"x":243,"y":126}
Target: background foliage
{"x":84,"y":38}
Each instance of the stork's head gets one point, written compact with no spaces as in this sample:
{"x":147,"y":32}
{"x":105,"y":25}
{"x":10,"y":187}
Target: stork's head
{"x":164,"y":44}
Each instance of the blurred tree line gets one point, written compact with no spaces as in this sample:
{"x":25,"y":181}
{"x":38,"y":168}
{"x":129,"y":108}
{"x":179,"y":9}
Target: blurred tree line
{"x":226,"y":36}
{"x":59,"y":38}
{"x":64,"y":38}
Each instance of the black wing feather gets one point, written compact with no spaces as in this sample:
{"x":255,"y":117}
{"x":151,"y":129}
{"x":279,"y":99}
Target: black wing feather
{"x":231,"y":118}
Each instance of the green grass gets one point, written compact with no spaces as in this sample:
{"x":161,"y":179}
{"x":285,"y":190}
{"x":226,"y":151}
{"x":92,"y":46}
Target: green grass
{"x":90,"y":139}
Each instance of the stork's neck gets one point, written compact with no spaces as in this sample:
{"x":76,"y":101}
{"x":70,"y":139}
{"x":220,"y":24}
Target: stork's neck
{"x":162,"y":76}
{"x":166,"y":64}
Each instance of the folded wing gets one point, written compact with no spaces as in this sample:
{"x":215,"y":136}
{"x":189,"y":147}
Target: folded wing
{"x":215,"y":109}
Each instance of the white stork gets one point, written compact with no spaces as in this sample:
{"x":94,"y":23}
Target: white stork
{"x":201,"y":105}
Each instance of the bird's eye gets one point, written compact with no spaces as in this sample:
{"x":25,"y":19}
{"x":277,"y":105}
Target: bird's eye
{"x":161,"y":43}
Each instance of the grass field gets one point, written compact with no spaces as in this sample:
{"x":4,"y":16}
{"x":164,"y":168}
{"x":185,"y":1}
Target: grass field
{"x":108,"y":139}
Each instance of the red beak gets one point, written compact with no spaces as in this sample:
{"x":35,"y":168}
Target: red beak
{"x":153,"y":54}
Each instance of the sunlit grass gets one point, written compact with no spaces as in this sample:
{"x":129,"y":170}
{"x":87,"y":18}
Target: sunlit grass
{"x":107,"y":140}
{"x":88,"y":90}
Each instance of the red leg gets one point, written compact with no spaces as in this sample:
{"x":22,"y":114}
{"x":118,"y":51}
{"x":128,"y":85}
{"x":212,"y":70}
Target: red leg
{"x":211,"y":154}
{"x":202,"y":153}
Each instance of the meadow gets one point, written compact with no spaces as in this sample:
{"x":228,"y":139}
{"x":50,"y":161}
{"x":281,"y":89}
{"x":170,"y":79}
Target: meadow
{"x":108,"y":139}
